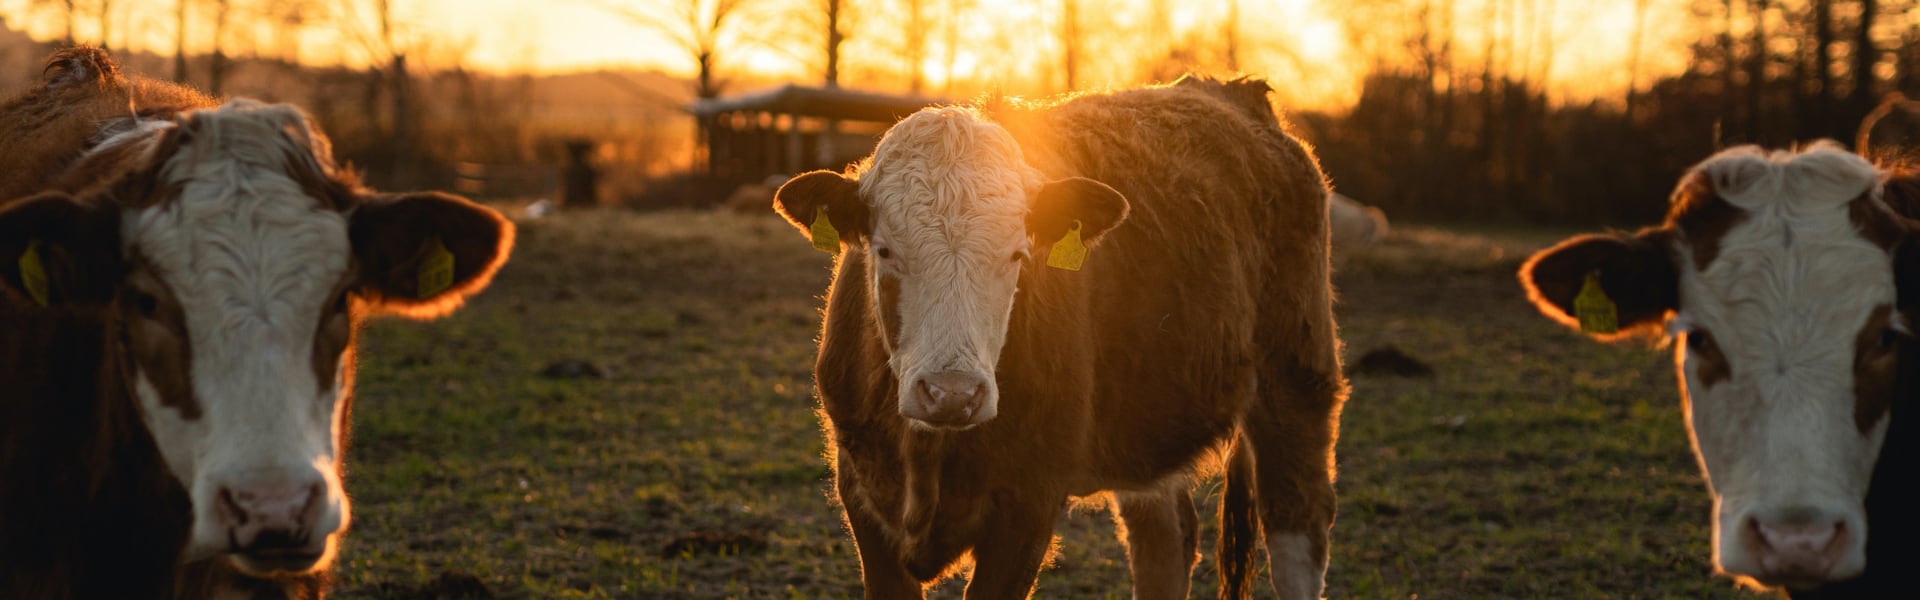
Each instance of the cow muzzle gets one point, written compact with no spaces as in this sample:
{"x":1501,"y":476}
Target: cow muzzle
{"x":1797,"y":547}
{"x":278,"y":522}
{"x":950,"y":400}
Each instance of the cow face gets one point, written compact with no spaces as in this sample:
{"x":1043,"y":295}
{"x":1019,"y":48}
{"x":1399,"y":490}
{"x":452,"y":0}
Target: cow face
{"x":237,"y":262}
{"x":950,"y":215}
{"x":1776,"y":274}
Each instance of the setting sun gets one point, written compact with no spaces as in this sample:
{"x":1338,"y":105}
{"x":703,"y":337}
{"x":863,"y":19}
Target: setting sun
{"x":1317,"y":49}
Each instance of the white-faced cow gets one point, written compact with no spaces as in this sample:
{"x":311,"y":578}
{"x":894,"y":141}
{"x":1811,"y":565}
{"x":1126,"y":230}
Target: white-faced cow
{"x":971,"y":387}
{"x":180,"y":282}
{"x":1354,"y":227}
{"x":1787,"y":280}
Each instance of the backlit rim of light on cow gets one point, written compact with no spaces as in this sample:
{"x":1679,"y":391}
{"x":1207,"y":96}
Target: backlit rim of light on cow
{"x":1202,"y":317}
{"x":949,"y":212}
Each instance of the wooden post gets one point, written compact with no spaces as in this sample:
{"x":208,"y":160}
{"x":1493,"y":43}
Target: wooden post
{"x":794,"y":150}
{"x":582,"y":180}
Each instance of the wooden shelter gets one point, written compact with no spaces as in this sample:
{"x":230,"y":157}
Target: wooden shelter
{"x":794,"y":128}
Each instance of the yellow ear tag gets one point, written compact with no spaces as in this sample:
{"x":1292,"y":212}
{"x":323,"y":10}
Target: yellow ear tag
{"x":1068,"y":253}
{"x":1595,"y":310}
{"x":436,"y":272}
{"x":33,"y":273}
{"x":825,"y":237}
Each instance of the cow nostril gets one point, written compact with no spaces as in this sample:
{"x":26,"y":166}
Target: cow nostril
{"x":229,"y":509}
{"x":926,"y":392}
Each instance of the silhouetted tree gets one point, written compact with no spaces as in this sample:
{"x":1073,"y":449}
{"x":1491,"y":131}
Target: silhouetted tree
{"x":696,"y":27}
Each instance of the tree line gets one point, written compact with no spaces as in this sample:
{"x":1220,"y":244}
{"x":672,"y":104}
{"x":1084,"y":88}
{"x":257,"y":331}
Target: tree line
{"x":1457,"y":116}
{"x":1443,"y":138}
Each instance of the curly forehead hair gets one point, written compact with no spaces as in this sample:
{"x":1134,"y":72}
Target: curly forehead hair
{"x":952,"y":157}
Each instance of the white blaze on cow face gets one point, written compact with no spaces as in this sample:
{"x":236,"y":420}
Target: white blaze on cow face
{"x":243,"y":268}
{"x":1773,"y":327}
{"x":949,"y":196}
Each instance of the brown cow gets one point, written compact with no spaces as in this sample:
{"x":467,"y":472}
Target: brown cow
{"x":179,"y":289}
{"x":970,"y":389}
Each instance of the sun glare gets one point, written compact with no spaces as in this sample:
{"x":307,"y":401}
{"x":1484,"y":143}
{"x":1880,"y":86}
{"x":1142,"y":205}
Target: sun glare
{"x":1013,"y":45}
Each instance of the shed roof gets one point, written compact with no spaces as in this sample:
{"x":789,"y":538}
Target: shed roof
{"x":823,"y":102}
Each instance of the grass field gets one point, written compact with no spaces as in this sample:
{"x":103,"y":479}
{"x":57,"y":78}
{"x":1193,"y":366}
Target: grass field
{"x":681,"y":456}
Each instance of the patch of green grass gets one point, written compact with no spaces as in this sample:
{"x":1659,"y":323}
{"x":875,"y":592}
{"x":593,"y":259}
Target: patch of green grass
{"x":694,"y":468}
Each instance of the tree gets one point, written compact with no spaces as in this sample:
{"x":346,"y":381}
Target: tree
{"x":956,"y":14}
{"x":217,"y":66}
{"x":835,"y":12}
{"x":67,"y":10}
{"x":1823,"y":65}
{"x":1756,"y":67}
{"x":180,"y":41}
{"x":1072,"y":38}
{"x":106,"y":23}
{"x":914,"y":51}
{"x":1232,"y":35}
{"x":1865,"y":57}
{"x":1633,"y":60}
{"x":695,"y":26}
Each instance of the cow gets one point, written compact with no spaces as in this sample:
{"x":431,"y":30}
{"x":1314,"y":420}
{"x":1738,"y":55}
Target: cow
{"x":1096,"y":295}
{"x":180,"y":284}
{"x":1354,"y":226}
{"x":1789,"y":284}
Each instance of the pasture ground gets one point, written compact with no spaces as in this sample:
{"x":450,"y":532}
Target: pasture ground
{"x":681,"y":457}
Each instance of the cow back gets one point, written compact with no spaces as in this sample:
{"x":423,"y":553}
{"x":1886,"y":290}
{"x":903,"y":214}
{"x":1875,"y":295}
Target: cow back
{"x":45,"y":130}
{"x":1228,"y":224}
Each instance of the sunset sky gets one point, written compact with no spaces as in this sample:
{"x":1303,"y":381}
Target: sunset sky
{"x":1316,"y":49}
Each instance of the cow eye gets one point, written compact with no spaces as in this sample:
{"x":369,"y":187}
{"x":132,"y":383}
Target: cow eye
{"x":146,"y":304}
{"x":883,"y":252}
{"x":1698,"y":340}
{"x":1889,"y":337}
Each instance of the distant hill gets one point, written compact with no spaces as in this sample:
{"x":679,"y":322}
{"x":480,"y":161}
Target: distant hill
{"x":609,"y":92}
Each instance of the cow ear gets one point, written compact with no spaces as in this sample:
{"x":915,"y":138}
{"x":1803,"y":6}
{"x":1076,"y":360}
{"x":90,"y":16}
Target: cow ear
{"x":422,"y":254}
{"x":1062,"y":202}
{"x":55,"y":250}
{"x":1634,"y":272}
{"x":803,"y":199}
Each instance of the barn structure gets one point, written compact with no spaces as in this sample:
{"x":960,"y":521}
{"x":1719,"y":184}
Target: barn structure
{"x":795,"y":128}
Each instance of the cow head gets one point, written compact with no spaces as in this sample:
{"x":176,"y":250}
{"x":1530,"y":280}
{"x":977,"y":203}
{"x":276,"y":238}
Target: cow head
{"x":236,"y":260}
{"x":1777,"y":275}
{"x":950,"y":215}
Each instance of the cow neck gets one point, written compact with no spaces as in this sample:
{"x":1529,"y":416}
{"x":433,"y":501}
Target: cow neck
{"x":85,"y":452}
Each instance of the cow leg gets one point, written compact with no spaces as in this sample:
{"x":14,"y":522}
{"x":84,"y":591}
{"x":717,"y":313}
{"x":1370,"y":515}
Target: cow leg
{"x":1292,"y":428}
{"x":1162,"y":533}
{"x":881,"y":572}
{"x":1013,"y":545}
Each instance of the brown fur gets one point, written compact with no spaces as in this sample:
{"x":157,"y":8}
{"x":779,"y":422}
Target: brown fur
{"x":62,"y":457}
{"x":1702,"y":217}
{"x":157,"y":341}
{"x":73,"y":451}
{"x":1636,"y":271}
{"x":1714,"y":367}
{"x":1121,"y":375}
{"x":815,"y":191}
{"x":1876,"y":359}
{"x":1875,"y":222}
{"x":43,"y":131}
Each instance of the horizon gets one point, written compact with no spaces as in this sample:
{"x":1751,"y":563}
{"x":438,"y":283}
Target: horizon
{"x":1313,"y":54}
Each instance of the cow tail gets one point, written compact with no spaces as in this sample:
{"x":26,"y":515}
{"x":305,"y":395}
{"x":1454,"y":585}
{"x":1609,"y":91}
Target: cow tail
{"x":1239,"y":526}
